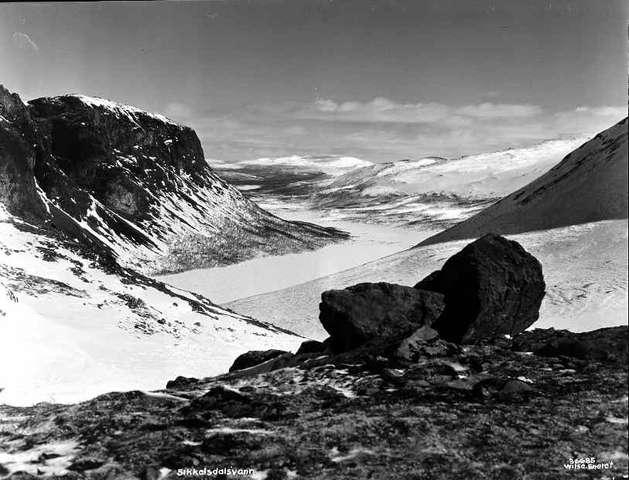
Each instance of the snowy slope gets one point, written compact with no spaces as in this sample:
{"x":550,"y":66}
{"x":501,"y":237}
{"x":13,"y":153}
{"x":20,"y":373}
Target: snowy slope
{"x":589,"y":184}
{"x":72,"y":327}
{"x":576,"y":218}
{"x":585,"y":267}
{"x":487,"y":175}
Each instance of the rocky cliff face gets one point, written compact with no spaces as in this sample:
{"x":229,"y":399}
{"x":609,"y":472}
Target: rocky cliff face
{"x":134,"y":184}
{"x":20,"y":148}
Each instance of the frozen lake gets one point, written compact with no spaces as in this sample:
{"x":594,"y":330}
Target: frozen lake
{"x":270,"y":273}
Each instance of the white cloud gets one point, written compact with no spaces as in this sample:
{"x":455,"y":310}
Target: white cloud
{"x":500,"y":110}
{"x":22,"y":41}
{"x":619,"y":112}
{"x":178,"y":111}
{"x":381,"y":109}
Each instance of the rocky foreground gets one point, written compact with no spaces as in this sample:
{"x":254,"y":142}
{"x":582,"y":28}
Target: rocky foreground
{"x":407,"y":391}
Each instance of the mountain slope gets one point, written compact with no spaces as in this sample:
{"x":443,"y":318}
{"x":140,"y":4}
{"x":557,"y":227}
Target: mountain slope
{"x":74,"y":325}
{"x":76,"y":208}
{"x":585,"y":267}
{"x":588,"y":185}
{"x":138,"y":185}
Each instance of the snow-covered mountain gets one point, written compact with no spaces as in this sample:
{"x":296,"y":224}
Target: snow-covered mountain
{"x":426,"y":191}
{"x":485,"y":176}
{"x":138,"y":185}
{"x":573,"y":219}
{"x":588,"y":185}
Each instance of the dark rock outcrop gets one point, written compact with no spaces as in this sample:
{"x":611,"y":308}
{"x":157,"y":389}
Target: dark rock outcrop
{"x":605,"y":345}
{"x":369,"y":311}
{"x":20,"y":149}
{"x":254,"y":357}
{"x":492,"y":287}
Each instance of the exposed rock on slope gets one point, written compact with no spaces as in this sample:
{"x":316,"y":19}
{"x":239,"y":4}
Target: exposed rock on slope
{"x":604,"y":345}
{"x":493,"y":286}
{"x":138,"y":185}
{"x":443,"y":412}
{"x":20,"y":148}
{"x":588,"y":185}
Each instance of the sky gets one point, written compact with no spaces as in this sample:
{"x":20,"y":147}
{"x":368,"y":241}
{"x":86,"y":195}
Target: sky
{"x":376,"y":79}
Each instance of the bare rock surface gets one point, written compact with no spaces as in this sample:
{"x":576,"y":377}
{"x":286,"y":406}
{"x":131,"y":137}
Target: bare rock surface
{"x":482,"y":411}
{"x":369,"y":311}
{"x":605,"y":344}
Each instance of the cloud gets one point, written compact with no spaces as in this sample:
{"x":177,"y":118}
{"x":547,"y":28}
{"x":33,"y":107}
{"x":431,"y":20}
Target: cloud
{"x":178,"y":111}
{"x":500,"y":110}
{"x":22,"y":41}
{"x":603,"y":111}
{"x":381,"y":109}
{"x":381,"y":129}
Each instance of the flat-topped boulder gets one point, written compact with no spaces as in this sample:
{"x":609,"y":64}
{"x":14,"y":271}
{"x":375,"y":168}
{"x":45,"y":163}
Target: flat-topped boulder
{"x":369,"y":311}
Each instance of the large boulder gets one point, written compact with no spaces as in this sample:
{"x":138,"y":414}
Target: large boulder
{"x":492,"y":287}
{"x":369,"y":311}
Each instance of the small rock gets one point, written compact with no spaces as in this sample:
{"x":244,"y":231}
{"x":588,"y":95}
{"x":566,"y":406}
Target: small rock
{"x":432,"y":371}
{"x":86,"y":463}
{"x":516,"y":387}
{"x":254,"y":357}
{"x":424,"y":342}
{"x":181,"y":382}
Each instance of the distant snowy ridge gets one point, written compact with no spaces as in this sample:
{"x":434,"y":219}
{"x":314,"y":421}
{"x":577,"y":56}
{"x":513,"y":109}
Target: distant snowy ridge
{"x":486,"y":175}
{"x":431,"y":191}
{"x":330,"y":165}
